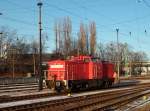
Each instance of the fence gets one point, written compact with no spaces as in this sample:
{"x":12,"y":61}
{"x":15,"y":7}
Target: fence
{"x":20,"y":80}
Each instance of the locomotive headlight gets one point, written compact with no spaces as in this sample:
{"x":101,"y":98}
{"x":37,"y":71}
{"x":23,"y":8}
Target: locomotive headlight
{"x":58,"y":83}
{"x":65,"y":82}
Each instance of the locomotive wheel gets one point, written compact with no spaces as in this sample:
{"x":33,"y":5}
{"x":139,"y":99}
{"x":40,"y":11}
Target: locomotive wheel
{"x":71,"y":86}
{"x":104,"y":84}
{"x":48,"y":84}
{"x":107,"y":84}
{"x":87,"y":86}
{"x":58,"y":90}
{"x":110,"y":83}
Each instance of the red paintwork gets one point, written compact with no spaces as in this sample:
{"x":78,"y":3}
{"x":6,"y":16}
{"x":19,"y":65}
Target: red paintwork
{"x":56,"y":68}
{"x":79,"y":68}
{"x":108,"y":69}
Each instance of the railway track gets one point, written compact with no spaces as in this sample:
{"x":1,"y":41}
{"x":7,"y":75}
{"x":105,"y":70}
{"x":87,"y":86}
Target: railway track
{"x":141,"y":104}
{"x":8,"y":86}
{"x":17,"y":87}
{"x":98,"y":100}
{"x":27,"y":94}
{"x":13,"y":92}
{"x":145,"y":106}
{"x":135,"y":78}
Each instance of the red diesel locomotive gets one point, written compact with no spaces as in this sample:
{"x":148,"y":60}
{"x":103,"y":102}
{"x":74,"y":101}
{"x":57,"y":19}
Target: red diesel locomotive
{"x":78,"y":73}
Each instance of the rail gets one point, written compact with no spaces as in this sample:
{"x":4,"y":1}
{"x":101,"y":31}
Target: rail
{"x":88,"y":101}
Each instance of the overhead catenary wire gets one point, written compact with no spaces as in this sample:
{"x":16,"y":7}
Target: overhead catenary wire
{"x":146,"y":3}
{"x":29,"y":9}
{"x":99,"y":26}
{"x":110,"y":18}
{"x":35,"y":26}
{"x":64,"y":10}
{"x":20,"y":6}
{"x":78,"y":16}
{"x":93,"y":11}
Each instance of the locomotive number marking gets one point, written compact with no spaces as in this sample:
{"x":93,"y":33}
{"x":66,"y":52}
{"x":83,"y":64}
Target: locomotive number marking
{"x":56,"y":66}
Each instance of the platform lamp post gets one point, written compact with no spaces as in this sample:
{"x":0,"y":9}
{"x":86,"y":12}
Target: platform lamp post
{"x":118,"y":57}
{"x":1,"y":41}
{"x":1,"y":33}
{"x":39,"y":4}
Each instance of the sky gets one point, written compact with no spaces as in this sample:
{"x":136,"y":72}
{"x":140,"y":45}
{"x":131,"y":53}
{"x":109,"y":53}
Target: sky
{"x":127,"y":15}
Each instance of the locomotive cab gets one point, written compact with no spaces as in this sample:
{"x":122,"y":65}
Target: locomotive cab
{"x":56,"y":74}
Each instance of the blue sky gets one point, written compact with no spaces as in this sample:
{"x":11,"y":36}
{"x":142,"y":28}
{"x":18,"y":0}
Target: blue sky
{"x":127,"y":15}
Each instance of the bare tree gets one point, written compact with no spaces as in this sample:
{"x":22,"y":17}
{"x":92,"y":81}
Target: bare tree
{"x":87,"y":39}
{"x":101,"y":51}
{"x":74,"y":47}
{"x":56,"y":35}
{"x":92,"y":38}
{"x":67,"y":29}
{"x":82,"y":39}
{"x":63,"y":36}
{"x":34,"y":51}
{"x":7,"y":38}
